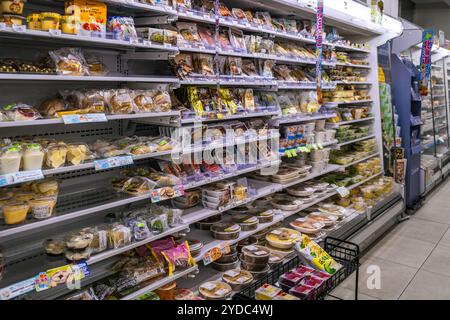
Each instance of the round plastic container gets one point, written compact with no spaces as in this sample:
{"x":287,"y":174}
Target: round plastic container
{"x":15,"y":212}
{"x":33,"y":22}
{"x":167,"y":292}
{"x":70,"y":24}
{"x":42,"y":208}
{"x":49,"y":20}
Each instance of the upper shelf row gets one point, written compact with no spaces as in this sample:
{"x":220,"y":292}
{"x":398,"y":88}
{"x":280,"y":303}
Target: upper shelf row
{"x":145,"y":15}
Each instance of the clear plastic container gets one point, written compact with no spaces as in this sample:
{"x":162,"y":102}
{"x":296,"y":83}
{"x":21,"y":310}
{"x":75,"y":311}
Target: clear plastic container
{"x":10,"y":159}
{"x":33,"y":157}
{"x":15,"y":212}
{"x":42,"y":208}
{"x":56,"y":155}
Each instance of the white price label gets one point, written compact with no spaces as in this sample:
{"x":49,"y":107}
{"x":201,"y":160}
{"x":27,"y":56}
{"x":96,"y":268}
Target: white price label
{"x":54,"y":32}
{"x":20,"y":177}
{"x":113,"y":162}
{"x":84,"y":118}
{"x":19,"y":28}
{"x":343,"y":192}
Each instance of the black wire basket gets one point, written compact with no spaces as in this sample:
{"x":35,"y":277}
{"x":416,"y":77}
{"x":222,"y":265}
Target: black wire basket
{"x":344,"y":252}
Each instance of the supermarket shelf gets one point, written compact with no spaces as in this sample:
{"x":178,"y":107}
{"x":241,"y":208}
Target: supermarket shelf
{"x":241,"y":81}
{"x":327,"y":144}
{"x":201,"y":213}
{"x":206,"y":181}
{"x":265,"y":113}
{"x":115,"y":252}
{"x":361,"y":160}
{"x":160,"y":283}
{"x":50,"y":77}
{"x":350,"y":102}
{"x":341,"y":64}
{"x":330,"y":168}
{"x":223,"y":144}
{"x":356,"y":140}
{"x":205,"y":236}
{"x":357,"y":83}
{"x":37,"y":35}
{"x":350,"y":48}
{"x":287,"y":214}
{"x":97,"y":200}
{"x":40,"y":122}
{"x":141,"y":7}
{"x":343,"y":123}
{"x":288,"y":120}
{"x":207,"y":18}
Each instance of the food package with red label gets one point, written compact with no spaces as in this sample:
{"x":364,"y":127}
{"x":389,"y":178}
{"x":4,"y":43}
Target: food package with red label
{"x":93,"y":16}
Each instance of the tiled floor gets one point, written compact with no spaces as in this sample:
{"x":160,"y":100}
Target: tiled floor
{"x":412,"y":261}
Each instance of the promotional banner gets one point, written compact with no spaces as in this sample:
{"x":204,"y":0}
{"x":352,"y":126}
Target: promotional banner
{"x":319,"y":49}
{"x":425,"y":61}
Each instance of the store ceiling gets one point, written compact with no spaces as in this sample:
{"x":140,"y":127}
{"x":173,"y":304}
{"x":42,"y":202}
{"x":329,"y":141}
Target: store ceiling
{"x":447,"y":2}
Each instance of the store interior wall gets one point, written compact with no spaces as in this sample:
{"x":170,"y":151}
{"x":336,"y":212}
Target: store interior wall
{"x":433,"y":14}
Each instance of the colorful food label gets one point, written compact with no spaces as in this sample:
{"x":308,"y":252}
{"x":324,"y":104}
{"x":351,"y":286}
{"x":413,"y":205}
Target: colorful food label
{"x":425,"y":61}
{"x":93,"y":15}
{"x":216,"y":253}
{"x":319,"y":49}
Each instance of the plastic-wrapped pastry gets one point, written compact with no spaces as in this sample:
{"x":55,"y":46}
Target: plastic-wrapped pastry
{"x":239,"y":14}
{"x":120,"y":101}
{"x":143,"y":99}
{"x":162,"y":101}
{"x":234,"y":66}
{"x":249,"y":68}
{"x":93,"y":101}
{"x":100,"y":239}
{"x":119,"y":236}
{"x":79,"y":240}
{"x":69,"y":61}
{"x":77,"y":153}
{"x":50,"y":107}
{"x":95,"y":65}
{"x":204,"y":64}
{"x":47,"y":187}
{"x":188,"y":33}
{"x":56,"y":155}
{"x":207,"y":35}
{"x":138,"y":186}
{"x":237,"y":39}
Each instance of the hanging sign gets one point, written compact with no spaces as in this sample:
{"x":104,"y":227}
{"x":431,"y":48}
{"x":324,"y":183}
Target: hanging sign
{"x":319,"y":49}
{"x":425,"y":61}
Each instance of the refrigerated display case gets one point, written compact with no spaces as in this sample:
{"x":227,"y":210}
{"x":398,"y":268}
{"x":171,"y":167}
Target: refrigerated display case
{"x":434,"y":134}
{"x":92,"y":202}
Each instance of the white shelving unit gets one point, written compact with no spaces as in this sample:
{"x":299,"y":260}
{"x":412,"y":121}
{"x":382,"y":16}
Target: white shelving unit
{"x":86,"y":197}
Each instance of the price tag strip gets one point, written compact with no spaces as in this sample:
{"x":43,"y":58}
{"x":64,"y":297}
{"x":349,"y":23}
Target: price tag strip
{"x":216,"y":253}
{"x":84,"y":118}
{"x":70,"y":275}
{"x":113,"y":162}
{"x":20,"y":177}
